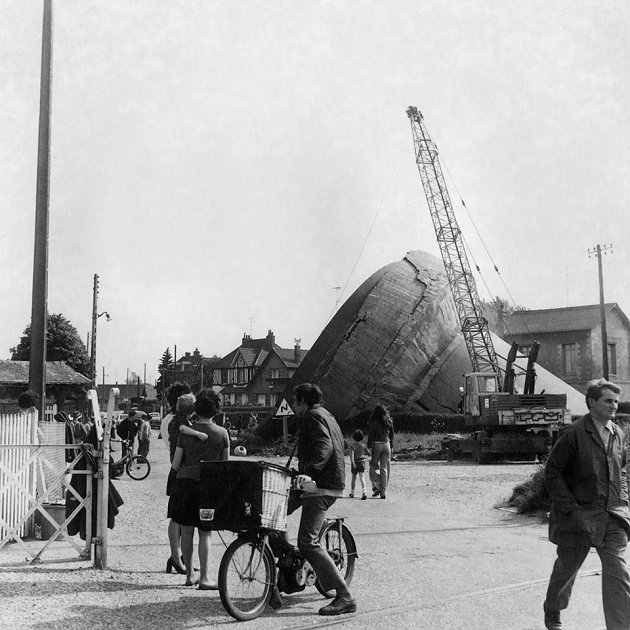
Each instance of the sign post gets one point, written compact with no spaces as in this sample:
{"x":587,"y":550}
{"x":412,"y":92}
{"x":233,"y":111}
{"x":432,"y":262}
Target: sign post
{"x":284,"y":411}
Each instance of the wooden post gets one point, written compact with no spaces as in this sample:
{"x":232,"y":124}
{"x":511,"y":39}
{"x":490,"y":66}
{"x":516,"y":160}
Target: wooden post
{"x":39,"y":303}
{"x":285,"y":429}
{"x":102,"y":501}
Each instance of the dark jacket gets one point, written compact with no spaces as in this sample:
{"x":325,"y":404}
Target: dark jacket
{"x":127,"y":429}
{"x":378,"y":433}
{"x":321,"y":449}
{"x":586,"y":484}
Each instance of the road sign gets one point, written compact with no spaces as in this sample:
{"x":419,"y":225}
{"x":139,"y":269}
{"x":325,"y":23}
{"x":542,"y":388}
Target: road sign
{"x":284,"y":409}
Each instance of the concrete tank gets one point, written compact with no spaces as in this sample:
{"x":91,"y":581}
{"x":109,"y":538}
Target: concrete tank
{"x":397,"y":341}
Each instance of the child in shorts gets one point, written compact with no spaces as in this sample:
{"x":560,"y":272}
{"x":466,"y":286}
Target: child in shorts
{"x":359,"y":455}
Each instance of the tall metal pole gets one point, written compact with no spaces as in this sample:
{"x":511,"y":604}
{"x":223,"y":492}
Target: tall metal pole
{"x":175,"y":364}
{"x":39,"y":302}
{"x":94,"y":318}
{"x":602,"y":311}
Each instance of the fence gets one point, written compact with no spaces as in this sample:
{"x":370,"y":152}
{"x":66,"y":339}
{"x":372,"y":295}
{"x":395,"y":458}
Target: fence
{"x":15,"y":474}
{"x":35,"y":473}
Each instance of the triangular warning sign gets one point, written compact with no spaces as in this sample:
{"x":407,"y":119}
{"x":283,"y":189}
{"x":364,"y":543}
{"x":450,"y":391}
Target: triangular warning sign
{"x":284,"y":409}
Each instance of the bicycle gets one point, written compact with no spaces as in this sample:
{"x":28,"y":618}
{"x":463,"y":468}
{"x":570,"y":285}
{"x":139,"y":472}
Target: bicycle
{"x":253,"y":504}
{"x":136,"y":466}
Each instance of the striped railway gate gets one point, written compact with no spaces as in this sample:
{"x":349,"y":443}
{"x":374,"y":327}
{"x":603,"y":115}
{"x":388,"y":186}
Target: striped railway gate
{"x":36,"y":468}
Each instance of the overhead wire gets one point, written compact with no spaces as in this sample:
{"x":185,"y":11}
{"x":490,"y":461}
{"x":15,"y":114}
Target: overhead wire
{"x":494,"y":265}
{"x":365,"y":240}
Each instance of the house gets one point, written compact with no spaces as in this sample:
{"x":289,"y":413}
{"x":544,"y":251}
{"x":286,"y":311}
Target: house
{"x":571,"y":342}
{"x":257,"y":372}
{"x":62,"y":382}
{"x":195,"y":369}
{"x":132,"y":393}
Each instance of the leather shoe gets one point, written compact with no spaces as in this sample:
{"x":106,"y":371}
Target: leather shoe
{"x":339,"y":606}
{"x":552,"y":618}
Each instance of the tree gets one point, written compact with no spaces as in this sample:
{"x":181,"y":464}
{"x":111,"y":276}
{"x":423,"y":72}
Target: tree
{"x":62,"y":344}
{"x":165,"y":368}
{"x":495,"y":310}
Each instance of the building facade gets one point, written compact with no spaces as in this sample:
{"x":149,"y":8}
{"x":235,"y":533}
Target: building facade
{"x":571,"y":342}
{"x":257,"y":372}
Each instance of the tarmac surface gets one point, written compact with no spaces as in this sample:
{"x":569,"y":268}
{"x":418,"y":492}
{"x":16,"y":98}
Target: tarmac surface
{"x":436,"y":554}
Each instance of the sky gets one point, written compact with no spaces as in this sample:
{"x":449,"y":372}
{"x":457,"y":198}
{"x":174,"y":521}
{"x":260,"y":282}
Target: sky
{"x":223,"y":166}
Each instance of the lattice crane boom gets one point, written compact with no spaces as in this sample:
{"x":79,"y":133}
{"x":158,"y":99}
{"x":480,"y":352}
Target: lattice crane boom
{"x":474,"y":325}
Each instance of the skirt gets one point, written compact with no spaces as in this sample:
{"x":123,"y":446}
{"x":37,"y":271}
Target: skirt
{"x":183,"y":504}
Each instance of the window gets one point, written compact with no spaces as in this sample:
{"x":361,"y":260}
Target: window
{"x":275,"y":373}
{"x":569,"y":358}
{"x":612,"y":358}
{"x":487,"y":384}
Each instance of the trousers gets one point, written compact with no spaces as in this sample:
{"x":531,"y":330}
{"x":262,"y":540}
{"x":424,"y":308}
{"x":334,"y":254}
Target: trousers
{"x":615,"y":576}
{"x":313,"y":515}
{"x":380,"y":466}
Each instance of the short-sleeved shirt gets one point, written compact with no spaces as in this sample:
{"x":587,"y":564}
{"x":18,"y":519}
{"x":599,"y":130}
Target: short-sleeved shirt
{"x":195,"y":450}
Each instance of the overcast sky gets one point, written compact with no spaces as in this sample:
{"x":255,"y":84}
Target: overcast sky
{"x":224,"y":165}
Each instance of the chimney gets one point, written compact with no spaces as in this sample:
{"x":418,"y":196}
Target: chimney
{"x":297,"y":351}
{"x":271,"y":339}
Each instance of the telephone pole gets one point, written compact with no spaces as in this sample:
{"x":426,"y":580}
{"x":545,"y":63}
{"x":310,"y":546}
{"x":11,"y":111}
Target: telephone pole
{"x":39,"y":301}
{"x":597,"y":251}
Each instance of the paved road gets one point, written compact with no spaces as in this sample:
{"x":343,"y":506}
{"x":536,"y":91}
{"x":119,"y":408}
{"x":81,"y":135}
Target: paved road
{"x":436,"y":554}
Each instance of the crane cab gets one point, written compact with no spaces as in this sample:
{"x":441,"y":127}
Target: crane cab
{"x":475,"y":385}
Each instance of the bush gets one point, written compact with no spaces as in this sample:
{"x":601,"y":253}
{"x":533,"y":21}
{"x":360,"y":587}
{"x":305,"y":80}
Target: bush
{"x":531,"y":495}
{"x":412,"y":423}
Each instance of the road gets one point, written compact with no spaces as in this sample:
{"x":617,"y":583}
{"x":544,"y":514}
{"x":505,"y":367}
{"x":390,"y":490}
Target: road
{"x":435,"y":554}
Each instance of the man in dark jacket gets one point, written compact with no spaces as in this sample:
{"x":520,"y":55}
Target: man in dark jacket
{"x":586,"y":478}
{"x":127,"y":431}
{"x":321,"y":457}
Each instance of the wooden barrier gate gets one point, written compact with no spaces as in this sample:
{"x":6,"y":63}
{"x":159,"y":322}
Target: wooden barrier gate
{"x":34,"y":473}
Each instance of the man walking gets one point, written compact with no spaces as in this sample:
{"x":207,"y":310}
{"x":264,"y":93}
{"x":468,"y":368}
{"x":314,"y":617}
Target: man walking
{"x":321,"y":457}
{"x":586,"y":478}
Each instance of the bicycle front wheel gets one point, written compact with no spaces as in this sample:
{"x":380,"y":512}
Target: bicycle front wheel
{"x":343,"y":551}
{"x":246,"y":578}
{"x":138,"y":467}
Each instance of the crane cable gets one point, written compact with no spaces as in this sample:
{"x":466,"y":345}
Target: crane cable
{"x":367,"y":236}
{"x":496,"y":269}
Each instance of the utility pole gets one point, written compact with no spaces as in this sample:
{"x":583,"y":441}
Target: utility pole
{"x":93,"y":337}
{"x":597,"y":251}
{"x":39,"y":301}
{"x":175,"y":363}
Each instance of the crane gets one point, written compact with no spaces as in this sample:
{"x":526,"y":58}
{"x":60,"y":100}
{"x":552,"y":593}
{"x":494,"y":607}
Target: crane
{"x":474,"y":325}
{"x":510,"y":423}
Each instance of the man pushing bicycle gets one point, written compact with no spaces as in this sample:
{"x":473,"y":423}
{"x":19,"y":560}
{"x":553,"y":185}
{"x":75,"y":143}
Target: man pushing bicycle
{"x":320,"y":453}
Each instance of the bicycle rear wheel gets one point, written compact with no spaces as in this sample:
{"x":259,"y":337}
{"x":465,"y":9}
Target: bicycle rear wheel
{"x":246,"y":577}
{"x":343,"y":551}
{"x":138,"y":467}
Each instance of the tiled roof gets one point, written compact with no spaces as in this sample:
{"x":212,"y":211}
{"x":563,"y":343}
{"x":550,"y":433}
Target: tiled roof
{"x":57,"y":373}
{"x":559,"y":319}
{"x":288,"y":356}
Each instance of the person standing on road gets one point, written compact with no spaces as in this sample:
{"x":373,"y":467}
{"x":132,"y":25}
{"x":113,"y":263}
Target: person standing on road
{"x":585,"y":475}
{"x":144,"y":436}
{"x":175,"y":560}
{"x":183,"y":505}
{"x":320,"y":453}
{"x":381,"y":442}
{"x":359,"y":455}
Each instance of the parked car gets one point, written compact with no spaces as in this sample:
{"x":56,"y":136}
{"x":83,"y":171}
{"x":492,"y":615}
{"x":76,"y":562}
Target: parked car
{"x":155,"y":420}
